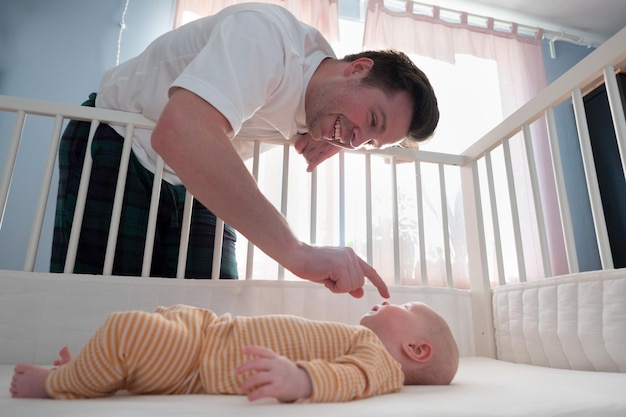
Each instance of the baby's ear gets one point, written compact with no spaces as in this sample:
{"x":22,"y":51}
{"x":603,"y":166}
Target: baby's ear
{"x":418,"y":351}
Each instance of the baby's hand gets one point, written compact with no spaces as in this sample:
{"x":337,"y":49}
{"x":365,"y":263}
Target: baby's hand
{"x":273,"y":376}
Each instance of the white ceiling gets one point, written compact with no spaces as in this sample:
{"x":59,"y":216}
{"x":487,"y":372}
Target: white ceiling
{"x":594,"y":20}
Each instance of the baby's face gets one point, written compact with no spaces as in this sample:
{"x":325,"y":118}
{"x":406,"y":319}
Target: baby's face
{"x":390,"y":320}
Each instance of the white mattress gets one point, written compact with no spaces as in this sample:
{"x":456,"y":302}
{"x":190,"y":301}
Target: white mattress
{"x":483,"y":387}
{"x":575,"y":321}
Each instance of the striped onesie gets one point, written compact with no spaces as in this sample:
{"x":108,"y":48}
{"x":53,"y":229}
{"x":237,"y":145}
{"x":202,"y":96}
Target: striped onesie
{"x":188,"y":350}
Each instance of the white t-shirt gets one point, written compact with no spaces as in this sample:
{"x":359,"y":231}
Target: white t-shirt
{"x":250,"y":61}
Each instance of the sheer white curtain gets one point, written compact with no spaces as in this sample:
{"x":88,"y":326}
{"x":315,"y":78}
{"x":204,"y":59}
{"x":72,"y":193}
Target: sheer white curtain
{"x":428,"y":34}
{"x":322,"y":14}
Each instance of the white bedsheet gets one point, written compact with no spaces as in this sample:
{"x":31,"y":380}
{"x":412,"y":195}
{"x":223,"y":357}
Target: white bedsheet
{"x":483,"y":387}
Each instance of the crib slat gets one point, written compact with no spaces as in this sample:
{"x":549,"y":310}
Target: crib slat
{"x":597,"y":212}
{"x":9,"y":165}
{"x":185,"y":228}
{"x":81,"y":199}
{"x":285,"y":181}
{"x":617,"y":112}
{"x":152,"y":218}
{"x":218,"y":244}
{"x":495,"y":219}
{"x":394,"y":221}
{"x":33,"y":242}
{"x":563,"y":202}
{"x":420,"y":223}
{"x":369,"y":232}
{"x":342,"y":199}
{"x":255,"y":174}
{"x":109,"y":256}
{"x":284,"y":197}
{"x":519,"y":251}
{"x":534,"y":184}
{"x":477,"y":261}
{"x":313,"y":208}
{"x":444,"y":222}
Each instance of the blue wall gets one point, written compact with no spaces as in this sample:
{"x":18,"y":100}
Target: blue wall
{"x":567,"y":55}
{"x":57,"y":51}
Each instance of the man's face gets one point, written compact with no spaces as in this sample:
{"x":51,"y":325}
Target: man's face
{"x":350,"y":115}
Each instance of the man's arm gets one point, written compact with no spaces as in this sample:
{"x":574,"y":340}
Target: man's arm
{"x":193,"y":139}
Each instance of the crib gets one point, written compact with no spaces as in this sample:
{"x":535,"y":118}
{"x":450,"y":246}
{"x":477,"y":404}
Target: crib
{"x":537,"y":336}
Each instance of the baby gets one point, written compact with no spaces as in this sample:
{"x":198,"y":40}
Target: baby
{"x":187,"y":350}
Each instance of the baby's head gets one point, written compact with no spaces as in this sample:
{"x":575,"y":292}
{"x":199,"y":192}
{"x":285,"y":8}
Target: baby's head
{"x":418,"y":338}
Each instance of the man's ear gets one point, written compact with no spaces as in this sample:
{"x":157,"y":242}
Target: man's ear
{"x":418,"y":351}
{"x":358,"y":66}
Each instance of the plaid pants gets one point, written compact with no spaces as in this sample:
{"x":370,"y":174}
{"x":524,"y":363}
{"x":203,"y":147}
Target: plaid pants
{"x":106,"y":152}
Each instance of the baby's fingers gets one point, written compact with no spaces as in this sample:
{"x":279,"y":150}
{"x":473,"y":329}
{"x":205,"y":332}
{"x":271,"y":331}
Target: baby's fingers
{"x":254,"y":382}
{"x":259,"y":351}
{"x":260,"y":355}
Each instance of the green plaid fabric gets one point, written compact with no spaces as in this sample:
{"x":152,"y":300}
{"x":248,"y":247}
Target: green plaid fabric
{"x":106,"y":151}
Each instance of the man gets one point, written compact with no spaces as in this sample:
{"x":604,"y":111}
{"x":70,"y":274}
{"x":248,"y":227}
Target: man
{"x":252,"y":71}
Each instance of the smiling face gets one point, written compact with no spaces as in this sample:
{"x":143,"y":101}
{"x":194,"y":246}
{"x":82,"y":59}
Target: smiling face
{"x":350,"y":114}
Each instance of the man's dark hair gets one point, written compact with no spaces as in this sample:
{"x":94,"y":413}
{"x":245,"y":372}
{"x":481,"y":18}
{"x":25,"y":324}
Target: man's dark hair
{"x":394,"y":71}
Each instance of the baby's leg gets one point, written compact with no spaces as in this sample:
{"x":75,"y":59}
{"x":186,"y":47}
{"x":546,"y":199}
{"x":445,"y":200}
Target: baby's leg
{"x":143,"y":353}
{"x":29,"y":381}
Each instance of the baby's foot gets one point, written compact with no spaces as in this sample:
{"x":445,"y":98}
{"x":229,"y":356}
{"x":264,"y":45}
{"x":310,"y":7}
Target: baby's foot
{"x":29,"y":381}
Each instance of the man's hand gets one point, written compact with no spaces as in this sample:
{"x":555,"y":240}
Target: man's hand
{"x":273,"y":376}
{"x":340,"y":269}
{"x":315,"y":152}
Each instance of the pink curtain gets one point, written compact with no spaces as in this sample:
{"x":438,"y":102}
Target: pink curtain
{"x":521,"y":74}
{"x":322,"y":14}
{"x":519,"y":58}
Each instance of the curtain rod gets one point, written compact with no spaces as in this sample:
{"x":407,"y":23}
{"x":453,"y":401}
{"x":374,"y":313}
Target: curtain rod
{"x":551,"y":35}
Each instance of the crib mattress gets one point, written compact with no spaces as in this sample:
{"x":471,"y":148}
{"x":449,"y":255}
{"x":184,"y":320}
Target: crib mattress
{"x":483,"y":387}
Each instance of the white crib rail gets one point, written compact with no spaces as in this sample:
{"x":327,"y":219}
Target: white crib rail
{"x":59,"y":112}
{"x":23,"y":108}
{"x":480,"y":209}
{"x":598,"y":67}
{"x":592,"y":180}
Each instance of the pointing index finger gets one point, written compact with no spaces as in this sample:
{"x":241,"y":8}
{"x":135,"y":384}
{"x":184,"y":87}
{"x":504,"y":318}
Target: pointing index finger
{"x":371,"y":274}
